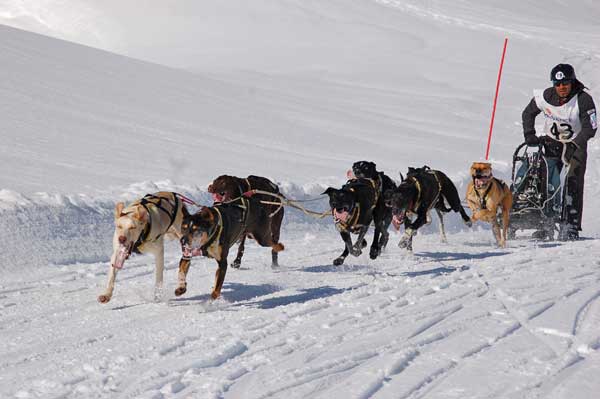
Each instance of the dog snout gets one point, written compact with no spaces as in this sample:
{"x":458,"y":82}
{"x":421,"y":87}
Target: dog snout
{"x":122,"y":240}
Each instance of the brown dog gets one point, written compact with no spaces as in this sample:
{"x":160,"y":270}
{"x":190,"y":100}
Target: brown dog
{"x":141,"y":228}
{"x":226,"y":188}
{"x":485,"y":194}
{"x":213,"y":230}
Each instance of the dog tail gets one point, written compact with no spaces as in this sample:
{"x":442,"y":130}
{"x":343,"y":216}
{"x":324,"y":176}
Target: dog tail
{"x":278,"y":247}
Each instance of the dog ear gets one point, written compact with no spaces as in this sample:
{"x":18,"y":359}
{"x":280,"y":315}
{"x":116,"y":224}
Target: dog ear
{"x":472,"y":169}
{"x":119,"y":209}
{"x":328,"y":191}
{"x":401,"y":176}
{"x":140,"y":214}
{"x":206,"y":214}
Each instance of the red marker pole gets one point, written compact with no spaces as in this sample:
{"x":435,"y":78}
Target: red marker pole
{"x":487,"y":151}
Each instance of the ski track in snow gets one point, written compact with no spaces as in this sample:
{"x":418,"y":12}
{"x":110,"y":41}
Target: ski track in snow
{"x":457,"y":320}
{"x":403,"y":326}
{"x":464,"y":16}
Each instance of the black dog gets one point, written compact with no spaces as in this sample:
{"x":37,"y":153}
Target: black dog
{"x":225,"y":188}
{"x":352,"y":208}
{"x":382,"y":215}
{"x":422,"y":190}
{"x":213,"y":230}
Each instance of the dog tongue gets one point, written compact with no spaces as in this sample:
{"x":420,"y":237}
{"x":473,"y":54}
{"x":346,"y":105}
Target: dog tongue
{"x":341,"y":216}
{"x":350,"y":175}
{"x":189,"y":252}
{"x":397,"y":221}
{"x":196,"y":252}
{"x":122,"y":254}
{"x":480,"y":182}
{"x":217,"y":198}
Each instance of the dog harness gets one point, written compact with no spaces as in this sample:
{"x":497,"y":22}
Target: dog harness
{"x":350,"y":225}
{"x":275,"y":191}
{"x":360,"y":181}
{"x":483,"y":198}
{"x":242,"y":191}
{"x":156,"y":201}
{"x":215,"y":236}
{"x":417,"y":203}
{"x":376,"y":187}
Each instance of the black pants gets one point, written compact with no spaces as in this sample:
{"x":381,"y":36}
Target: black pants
{"x":575,"y":183}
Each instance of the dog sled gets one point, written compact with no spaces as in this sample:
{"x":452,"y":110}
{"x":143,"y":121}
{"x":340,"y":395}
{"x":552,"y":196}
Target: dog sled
{"x":538,"y":188}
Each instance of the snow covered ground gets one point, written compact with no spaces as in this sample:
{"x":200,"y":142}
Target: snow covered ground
{"x":452,"y":321}
{"x":297,"y":91}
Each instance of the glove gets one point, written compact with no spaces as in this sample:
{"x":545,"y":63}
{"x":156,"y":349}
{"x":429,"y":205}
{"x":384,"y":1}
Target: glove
{"x":532,"y":139}
{"x":571,"y":148}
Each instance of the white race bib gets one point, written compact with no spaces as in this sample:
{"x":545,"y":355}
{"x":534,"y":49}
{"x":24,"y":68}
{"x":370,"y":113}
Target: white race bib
{"x":560,"y":122}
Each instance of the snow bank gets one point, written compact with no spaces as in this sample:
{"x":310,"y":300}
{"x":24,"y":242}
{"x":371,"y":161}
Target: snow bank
{"x":45,"y":228}
{"x":48,"y":228}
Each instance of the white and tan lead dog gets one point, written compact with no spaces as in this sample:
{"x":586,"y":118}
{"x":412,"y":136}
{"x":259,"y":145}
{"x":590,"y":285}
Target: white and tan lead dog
{"x":141,"y":227}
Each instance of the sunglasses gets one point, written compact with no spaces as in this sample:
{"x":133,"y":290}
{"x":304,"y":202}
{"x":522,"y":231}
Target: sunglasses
{"x":342,"y":209}
{"x":562,"y":83}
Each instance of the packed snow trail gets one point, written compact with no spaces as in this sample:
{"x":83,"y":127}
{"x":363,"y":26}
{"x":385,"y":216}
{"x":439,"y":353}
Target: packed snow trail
{"x":521,"y":321}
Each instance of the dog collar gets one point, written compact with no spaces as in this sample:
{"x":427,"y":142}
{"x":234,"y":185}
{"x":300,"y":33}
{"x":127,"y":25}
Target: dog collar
{"x":142,"y":238}
{"x":483,"y":198}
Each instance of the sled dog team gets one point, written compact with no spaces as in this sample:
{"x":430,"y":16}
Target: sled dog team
{"x":252,"y":207}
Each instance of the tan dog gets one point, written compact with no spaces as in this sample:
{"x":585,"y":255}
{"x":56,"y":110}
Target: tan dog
{"x":485,"y":194}
{"x":141,"y":228}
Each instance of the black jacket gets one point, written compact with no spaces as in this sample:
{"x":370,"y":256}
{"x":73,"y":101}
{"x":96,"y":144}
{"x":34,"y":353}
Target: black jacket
{"x":586,"y":108}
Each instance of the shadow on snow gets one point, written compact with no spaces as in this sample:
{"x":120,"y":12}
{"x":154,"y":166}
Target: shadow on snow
{"x":249,"y":295}
{"x":305,"y":295}
{"x":452,"y":256}
{"x":438,"y":271}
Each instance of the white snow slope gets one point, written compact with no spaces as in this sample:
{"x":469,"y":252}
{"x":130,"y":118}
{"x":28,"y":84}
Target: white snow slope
{"x":296,"y":91}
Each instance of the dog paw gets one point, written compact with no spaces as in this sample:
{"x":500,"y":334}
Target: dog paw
{"x":103,"y":298}
{"x":236,"y":264}
{"x":181,"y":290}
{"x":355,"y":251}
{"x":215,"y":294}
{"x":338,"y":261}
{"x":363,"y":244}
{"x":158,"y":294}
{"x":374,"y":253}
{"x":405,"y":243}
{"x":469,"y":223}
